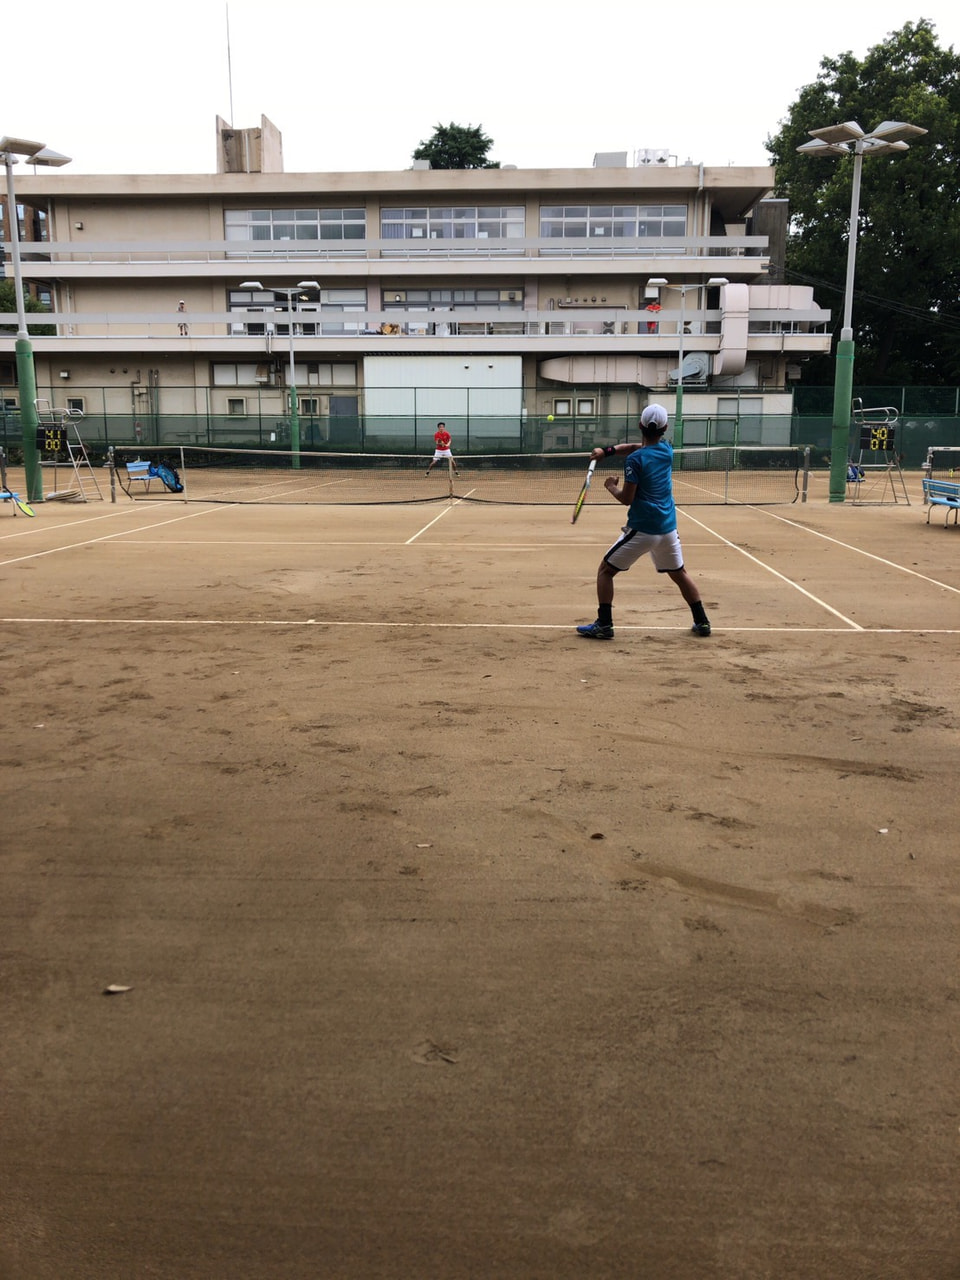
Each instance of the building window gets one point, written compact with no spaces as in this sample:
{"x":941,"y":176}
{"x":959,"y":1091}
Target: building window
{"x":422,"y":299}
{"x":468,"y":222}
{"x":75,"y":404}
{"x":310,"y":373}
{"x":314,"y":303}
{"x":237,"y":406}
{"x":228,"y":374}
{"x":31,"y":223}
{"x":586,"y":407}
{"x":562,"y":408}
{"x":324,"y":374}
{"x":611,"y":221}
{"x":295,"y":224}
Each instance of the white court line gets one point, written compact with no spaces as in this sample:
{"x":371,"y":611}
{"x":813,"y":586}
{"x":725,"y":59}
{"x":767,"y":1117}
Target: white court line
{"x":107,"y":537}
{"x":462,"y":626}
{"x":777,"y":574}
{"x":891,"y":564}
{"x":454,"y":502}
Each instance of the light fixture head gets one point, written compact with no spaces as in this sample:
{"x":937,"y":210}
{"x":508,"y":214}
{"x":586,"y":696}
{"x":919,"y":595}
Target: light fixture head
{"x":51,"y":158}
{"x":823,"y":149}
{"x":250,"y":284}
{"x":877,"y":147}
{"x":716,"y":281}
{"x":896,"y":131}
{"x":21,"y":146}
{"x":842,"y":139}
{"x":309,"y":284}
{"x":849,"y":131}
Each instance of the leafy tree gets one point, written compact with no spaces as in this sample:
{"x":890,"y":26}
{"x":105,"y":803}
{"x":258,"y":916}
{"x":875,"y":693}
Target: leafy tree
{"x":906,"y":316}
{"x":457,"y":146}
{"x":8,"y":302}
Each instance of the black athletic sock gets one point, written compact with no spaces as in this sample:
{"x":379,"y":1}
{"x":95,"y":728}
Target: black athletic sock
{"x":605,"y":615}
{"x":699,"y":613}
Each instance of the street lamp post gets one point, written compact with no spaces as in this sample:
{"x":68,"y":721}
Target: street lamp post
{"x":843,"y":140}
{"x":678,"y":401}
{"x":13,"y":150}
{"x":290,"y":291}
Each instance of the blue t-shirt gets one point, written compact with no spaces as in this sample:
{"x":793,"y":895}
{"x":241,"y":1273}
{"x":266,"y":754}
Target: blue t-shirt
{"x":651,"y":470}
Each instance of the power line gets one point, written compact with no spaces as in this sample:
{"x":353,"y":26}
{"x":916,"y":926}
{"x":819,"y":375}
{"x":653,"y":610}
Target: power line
{"x":900,"y":308}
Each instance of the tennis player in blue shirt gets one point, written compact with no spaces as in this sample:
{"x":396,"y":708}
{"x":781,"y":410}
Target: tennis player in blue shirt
{"x":651,"y":528}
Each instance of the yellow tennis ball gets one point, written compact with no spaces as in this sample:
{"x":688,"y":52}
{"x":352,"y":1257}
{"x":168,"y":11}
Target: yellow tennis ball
{"x":549,"y":417}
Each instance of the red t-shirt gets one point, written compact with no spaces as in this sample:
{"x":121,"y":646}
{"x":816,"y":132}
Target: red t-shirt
{"x":442,"y":439}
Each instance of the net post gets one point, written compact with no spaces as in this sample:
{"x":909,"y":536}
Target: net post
{"x":112,"y":468}
{"x":806,"y":474}
{"x":450,"y":477}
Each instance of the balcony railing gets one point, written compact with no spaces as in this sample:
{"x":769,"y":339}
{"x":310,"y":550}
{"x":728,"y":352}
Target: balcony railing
{"x":466,"y":323}
{"x":140,"y":252}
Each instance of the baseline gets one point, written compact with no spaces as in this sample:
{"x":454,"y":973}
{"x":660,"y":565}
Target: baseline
{"x":464,"y":626}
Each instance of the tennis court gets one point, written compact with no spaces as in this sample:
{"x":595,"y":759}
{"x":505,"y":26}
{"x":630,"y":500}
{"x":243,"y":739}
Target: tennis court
{"x":456,"y":944}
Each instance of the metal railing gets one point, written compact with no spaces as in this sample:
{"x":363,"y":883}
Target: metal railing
{"x":710,"y":249}
{"x":454,"y":322}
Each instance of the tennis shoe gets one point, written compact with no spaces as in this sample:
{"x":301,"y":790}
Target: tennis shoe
{"x":594,"y":631}
{"x":700,"y":629}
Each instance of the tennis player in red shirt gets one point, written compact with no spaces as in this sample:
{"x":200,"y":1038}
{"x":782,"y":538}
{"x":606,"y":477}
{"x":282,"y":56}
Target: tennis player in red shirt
{"x":441,"y":441}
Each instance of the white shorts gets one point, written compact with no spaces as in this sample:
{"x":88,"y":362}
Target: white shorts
{"x":441,"y":453}
{"x":663,"y":548}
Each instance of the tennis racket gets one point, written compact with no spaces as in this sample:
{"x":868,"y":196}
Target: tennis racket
{"x":25,"y":507}
{"x":578,"y":505}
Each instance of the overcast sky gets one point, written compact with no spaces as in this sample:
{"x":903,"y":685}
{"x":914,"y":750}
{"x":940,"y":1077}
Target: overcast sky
{"x":134,"y":86}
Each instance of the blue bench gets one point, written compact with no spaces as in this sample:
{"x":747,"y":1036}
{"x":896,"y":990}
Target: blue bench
{"x":942,"y":493}
{"x":139,"y":470}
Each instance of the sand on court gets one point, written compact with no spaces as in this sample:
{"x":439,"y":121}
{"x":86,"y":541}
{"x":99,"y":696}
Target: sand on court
{"x":477,"y":950}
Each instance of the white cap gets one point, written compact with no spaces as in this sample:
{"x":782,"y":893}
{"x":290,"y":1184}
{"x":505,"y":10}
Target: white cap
{"x":654,"y":415}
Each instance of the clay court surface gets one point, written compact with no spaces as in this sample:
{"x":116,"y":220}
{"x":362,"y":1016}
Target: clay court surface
{"x":459,"y":946}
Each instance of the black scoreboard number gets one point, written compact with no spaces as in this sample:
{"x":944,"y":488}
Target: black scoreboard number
{"x":51,"y":439}
{"x":877,"y":439}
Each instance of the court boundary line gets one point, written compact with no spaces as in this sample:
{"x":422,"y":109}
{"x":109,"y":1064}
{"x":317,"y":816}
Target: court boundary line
{"x":461,"y":626}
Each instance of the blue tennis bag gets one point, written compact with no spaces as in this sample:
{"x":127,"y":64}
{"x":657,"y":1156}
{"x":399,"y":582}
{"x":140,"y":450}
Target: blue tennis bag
{"x":169,"y":475}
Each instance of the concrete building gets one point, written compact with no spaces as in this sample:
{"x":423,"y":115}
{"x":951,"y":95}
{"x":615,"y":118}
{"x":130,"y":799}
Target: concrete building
{"x":533,"y":307}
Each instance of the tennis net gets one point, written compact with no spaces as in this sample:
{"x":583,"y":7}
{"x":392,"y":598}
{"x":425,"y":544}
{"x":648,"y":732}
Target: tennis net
{"x":703,"y":475}
{"x":943,"y":462}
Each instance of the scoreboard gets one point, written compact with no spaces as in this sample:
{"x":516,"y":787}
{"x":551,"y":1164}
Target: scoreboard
{"x":878,"y":438}
{"x":51,"y":439}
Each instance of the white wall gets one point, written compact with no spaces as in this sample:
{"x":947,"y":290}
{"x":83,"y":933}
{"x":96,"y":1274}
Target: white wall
{"x":477,"y":396}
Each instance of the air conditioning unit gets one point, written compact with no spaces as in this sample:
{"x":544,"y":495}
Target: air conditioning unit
{"x":652,"y":155}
